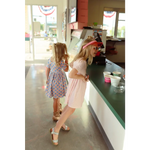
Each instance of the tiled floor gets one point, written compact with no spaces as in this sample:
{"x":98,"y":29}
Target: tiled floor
{"x":84,"y":133}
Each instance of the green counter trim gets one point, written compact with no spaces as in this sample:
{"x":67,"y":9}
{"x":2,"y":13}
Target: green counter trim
{"x":116,"y":102}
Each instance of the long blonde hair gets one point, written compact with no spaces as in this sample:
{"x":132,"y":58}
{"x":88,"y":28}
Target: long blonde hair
{"x":85,"y":53}
{"x":59,"y":52}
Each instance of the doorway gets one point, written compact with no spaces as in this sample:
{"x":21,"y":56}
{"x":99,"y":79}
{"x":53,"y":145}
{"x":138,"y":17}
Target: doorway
{"x":41,"y":30}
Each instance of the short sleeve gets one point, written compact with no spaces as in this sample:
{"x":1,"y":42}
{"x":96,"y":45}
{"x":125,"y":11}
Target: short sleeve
{"x":63,"y":65}
{"x":48,"y":63}
{"x":80,"y":65}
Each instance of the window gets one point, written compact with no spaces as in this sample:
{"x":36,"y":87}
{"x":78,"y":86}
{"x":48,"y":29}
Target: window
{"x":45,"y":21}
{"x":109,"y":18}
{"x":114,"y":22}
{"x":121,"y":26}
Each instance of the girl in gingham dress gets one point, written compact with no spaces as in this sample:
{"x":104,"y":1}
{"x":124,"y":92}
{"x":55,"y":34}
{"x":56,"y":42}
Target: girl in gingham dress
{"x":56,"y":80}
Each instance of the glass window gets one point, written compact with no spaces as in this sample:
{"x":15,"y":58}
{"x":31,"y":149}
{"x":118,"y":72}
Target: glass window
{"x":121,"y":26}
{"x":109,"y":18}
{"x":122,"y":16}
{"x":45,"y":21}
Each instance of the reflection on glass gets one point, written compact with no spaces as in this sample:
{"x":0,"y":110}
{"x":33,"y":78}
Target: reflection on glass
{"x":74,"y":48}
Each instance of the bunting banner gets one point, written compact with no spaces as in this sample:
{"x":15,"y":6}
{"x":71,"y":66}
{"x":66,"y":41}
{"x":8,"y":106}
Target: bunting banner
{"x":46,"y":10}
{"x":109,"y":14}
{"x":73,"y":11}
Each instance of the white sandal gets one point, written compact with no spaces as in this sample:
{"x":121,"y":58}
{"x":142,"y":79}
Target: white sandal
{"x":66,"y":128}
{"x":53,"y":132}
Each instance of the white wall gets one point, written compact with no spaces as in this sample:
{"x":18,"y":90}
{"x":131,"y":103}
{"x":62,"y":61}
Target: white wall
{"x":61,"y":5}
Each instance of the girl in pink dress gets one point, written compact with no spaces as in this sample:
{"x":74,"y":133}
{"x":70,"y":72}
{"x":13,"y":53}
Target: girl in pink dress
{"x":77,"y":84}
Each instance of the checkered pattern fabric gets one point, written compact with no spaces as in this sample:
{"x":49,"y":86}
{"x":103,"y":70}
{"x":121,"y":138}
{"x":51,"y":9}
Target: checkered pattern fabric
{"x":57,"y":85}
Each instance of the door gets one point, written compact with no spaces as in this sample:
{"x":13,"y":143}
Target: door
{"x":43,"y":31}
{"x":27,"y":50}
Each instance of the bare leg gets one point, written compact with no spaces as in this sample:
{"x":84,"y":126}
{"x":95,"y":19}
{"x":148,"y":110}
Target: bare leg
{"x":68,"y":111}
{"x":64,"y":109}
{"x":56,"y":104}
{"x":62,"y":113}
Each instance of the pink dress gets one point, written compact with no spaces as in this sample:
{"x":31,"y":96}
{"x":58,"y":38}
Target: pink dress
{"x":76,"y":88}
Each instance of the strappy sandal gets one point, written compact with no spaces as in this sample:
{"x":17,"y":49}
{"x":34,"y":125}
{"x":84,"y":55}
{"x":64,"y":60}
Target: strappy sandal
{"x":66,"y":128}
{"x":53,"y":132}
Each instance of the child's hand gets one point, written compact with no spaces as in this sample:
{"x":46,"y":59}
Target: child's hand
{"x":83,"y":78}
{"x":46,"y":81}
{"x":87,"y":78}
{"x":66,"y":58}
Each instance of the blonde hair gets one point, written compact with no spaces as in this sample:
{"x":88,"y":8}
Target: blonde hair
{"x":59,"y":52}
{"x":85,"y":53}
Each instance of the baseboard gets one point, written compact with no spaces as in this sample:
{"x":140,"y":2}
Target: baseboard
{"x":100,"y":128}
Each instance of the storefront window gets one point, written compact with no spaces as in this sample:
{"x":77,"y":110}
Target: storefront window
{"x":45,"y":21}
{"x":114,"y":23}
{"x":109,"y":22}
{"x":121,"y":25}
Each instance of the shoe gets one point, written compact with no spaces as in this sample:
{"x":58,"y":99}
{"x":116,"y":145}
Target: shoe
{"x":60,"y":108}
{"x":66,"y":128}
{"x":56,"y":116}
{"x":55,"y":142}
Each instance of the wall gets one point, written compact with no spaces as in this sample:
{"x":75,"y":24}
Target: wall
{"x":120,"y":57}
{"x":95,"y":14}
{"x":95,"y":9}
{"x":60,"y":6}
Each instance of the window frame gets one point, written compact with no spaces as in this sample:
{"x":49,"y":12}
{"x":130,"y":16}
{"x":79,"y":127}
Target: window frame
{"x":117,"y":10}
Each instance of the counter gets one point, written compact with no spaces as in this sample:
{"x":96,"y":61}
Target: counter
{"x":108,"y":106}
{"x":115,"y":101}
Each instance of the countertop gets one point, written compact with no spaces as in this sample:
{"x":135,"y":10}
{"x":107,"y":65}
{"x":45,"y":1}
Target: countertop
{"x":115,"y":101}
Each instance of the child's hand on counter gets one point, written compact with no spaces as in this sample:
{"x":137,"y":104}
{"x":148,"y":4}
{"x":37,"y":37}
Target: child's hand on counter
{"x":87,"y":78}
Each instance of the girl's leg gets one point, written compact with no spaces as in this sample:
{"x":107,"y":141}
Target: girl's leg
{"x":68,"y":111}
{"x":62,"y":113}
{"x":64,"y":109}
{"x":56,"y":105}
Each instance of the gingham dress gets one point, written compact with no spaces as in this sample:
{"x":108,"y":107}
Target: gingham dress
{"x":56,"y":86}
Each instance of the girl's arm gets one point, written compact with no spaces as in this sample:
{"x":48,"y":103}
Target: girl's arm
{"x":71,"y":64}
{"x":47,"y":74}
{"x":66,"y":63}
{"x":73,"y":74}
